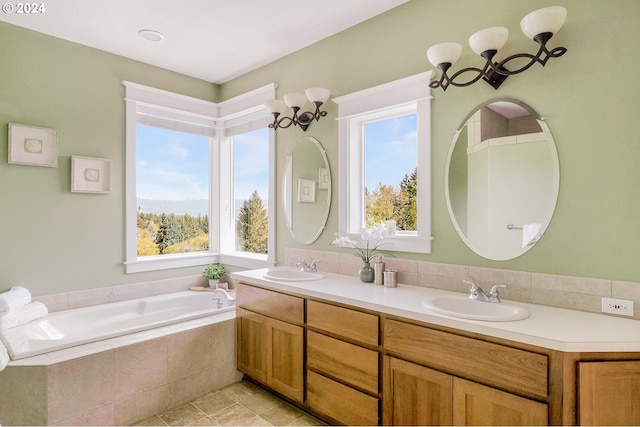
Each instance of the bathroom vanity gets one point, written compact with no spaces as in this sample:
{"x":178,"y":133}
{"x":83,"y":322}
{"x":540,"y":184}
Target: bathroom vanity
{"x":360,"y":354}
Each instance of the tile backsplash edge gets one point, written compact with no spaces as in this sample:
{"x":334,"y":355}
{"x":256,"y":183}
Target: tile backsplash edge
{"x":570,"y":292}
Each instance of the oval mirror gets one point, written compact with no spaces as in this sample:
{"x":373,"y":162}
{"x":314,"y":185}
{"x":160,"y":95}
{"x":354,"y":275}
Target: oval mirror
{"x":306,"y":191}
{"x":502,"y":179}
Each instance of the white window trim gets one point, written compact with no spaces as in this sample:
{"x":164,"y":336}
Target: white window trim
{"x":414,"y":93}
{"x":143,"y":98}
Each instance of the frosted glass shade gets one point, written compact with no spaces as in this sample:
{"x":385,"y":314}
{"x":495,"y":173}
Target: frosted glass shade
{"x":318,"y":94}
{"x":275,"y":106}
{"x":444,"y":52}
{"x":488,"y":39}
{"x":295,"y":99}
{"x":545,"y":20}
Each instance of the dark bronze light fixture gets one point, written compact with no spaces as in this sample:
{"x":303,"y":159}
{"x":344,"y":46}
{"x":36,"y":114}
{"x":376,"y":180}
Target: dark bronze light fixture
{"x":539,"y":25}
{"x":317,"y":96}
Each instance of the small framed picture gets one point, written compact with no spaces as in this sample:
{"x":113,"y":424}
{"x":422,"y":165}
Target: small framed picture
{"x":306,"y":190}
{"x":31,"y":145}
{"x":90,"y":175}
{"x":323,"y":179}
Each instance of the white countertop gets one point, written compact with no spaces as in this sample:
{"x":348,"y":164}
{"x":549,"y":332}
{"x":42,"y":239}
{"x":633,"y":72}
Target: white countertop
{"x":548,"y":327}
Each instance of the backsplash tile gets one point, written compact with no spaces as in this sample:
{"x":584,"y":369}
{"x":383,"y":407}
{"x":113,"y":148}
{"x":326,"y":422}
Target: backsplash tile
{"x":576,"y":293}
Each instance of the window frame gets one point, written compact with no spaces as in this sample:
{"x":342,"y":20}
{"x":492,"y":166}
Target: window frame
{"x":245,"y":110}
{"x":404,"y":96}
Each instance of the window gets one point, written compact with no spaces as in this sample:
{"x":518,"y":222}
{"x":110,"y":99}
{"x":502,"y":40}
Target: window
{"x":172,"y":191}
{"x":187,"y":179}
{"x":384,"y":162}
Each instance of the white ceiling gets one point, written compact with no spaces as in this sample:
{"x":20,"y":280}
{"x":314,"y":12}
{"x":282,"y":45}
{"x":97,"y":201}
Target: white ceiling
{"x":213,"y":40}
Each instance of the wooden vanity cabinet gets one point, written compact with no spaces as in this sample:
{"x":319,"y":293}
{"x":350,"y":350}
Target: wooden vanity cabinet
{"x":357,"y":367}
{"x":270,"y":336}
{"x":460,"y":380}
{"x":343,"y":362}
{"x":609,"y":392}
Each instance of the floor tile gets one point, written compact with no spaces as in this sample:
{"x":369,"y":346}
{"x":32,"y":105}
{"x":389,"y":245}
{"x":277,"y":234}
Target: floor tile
{"x":154,"y":420}
{"x":261,"y":402}
{"x":239,"y":404}
{"x":182,"y":416}
{"x":241,"y":390}
{"x":282,"y":414}
{"x":213,"y":402}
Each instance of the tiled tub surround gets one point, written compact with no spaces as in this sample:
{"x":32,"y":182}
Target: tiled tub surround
{"x":576,"y":293}
{"x":121,"y":380}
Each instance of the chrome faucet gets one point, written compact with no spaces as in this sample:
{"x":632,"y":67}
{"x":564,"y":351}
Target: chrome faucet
{"x":231,"y":301}
{"x":478,"y":294}
{"x":309,"y":268}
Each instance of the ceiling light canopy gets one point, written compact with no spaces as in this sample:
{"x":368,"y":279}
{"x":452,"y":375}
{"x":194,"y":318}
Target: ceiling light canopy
{"x":151,"y":35}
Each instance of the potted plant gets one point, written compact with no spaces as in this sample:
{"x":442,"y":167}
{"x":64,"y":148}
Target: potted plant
{"x":213,"y":273}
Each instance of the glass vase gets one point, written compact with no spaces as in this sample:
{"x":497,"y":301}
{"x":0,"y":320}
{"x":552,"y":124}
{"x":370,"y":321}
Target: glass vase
{"x":366,"y":273}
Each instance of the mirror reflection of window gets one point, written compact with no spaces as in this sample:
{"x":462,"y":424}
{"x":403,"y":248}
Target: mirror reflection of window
{"x":390,"y":153}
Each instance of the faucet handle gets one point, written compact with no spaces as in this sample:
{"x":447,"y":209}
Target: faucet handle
{"x":471,"y":283}
{"x":494,"y":288}
{"x":493,"y":294}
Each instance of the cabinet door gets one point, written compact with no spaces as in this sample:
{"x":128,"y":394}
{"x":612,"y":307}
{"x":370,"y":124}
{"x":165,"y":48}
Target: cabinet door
{"x":252,"y":344}
{"x":476,"y":404}
{"x":415,"y":395}
{"x":285,"y":358}
{"x":609,"y":393}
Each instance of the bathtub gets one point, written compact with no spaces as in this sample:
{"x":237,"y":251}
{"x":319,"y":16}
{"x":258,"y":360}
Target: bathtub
{"x":64,"y":329}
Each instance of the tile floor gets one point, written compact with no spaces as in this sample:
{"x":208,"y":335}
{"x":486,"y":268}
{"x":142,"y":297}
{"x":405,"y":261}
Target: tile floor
{"x":239,"y":404}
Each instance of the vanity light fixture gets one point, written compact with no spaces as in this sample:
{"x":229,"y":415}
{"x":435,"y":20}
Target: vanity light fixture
{"x":539,"y":25}
{"x":317,"y":96}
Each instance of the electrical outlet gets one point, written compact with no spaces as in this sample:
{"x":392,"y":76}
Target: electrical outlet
{"x":622,"y":307}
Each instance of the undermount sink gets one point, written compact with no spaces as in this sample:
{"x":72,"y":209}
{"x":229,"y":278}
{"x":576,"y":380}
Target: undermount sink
{"x":291,"y":275}
{"x":466,"y":308}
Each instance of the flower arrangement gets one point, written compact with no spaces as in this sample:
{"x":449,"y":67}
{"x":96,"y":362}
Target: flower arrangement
{"x":368,"y":247}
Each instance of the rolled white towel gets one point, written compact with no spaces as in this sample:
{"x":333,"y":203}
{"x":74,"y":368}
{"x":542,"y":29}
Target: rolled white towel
{"x":26,"y":314}
{"x":4,"y":356}
{"x":14,"y":299}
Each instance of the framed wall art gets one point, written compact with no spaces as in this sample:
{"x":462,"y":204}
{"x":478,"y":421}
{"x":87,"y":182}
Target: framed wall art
{"x":306,"y":190}
{"x":90,"y":175}
{"x":31,"y":145}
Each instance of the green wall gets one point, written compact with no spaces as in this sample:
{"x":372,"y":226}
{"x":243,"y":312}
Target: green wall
{"x":56,"y":241}
{"x":53,"y":240}
{"x":589,"y":98}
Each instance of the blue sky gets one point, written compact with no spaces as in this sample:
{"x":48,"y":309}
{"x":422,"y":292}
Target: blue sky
{"x":171,"y":165}
{"x":390,"y":150}
{"x":174,"y":166}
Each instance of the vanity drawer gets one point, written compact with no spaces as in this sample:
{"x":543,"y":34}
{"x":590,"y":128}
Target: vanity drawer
{"x":350,"y":324}
{"x":273,"y":304}
{"x":346,"y":362}
{"x":342,"y":403}
{"x":493,"y":364}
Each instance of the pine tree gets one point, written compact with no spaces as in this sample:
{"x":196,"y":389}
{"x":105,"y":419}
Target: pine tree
{"x":162,"y":236}
{"x":252,"y":225}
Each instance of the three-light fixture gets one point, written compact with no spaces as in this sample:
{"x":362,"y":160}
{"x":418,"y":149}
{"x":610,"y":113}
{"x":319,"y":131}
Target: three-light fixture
{"x":296,"y":101}
{"x":539,"y":25}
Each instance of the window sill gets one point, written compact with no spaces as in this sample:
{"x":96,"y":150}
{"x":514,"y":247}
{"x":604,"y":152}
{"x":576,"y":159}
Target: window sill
{"x":409,"y":242}
{"x":165,"y":262}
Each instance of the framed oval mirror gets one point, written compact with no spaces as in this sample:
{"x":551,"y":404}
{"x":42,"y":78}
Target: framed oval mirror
{"x":306,"y":190}
{"x":502,"y":179}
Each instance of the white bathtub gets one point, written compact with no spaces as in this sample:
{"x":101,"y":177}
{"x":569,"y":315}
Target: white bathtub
{"x":64,"y":329}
